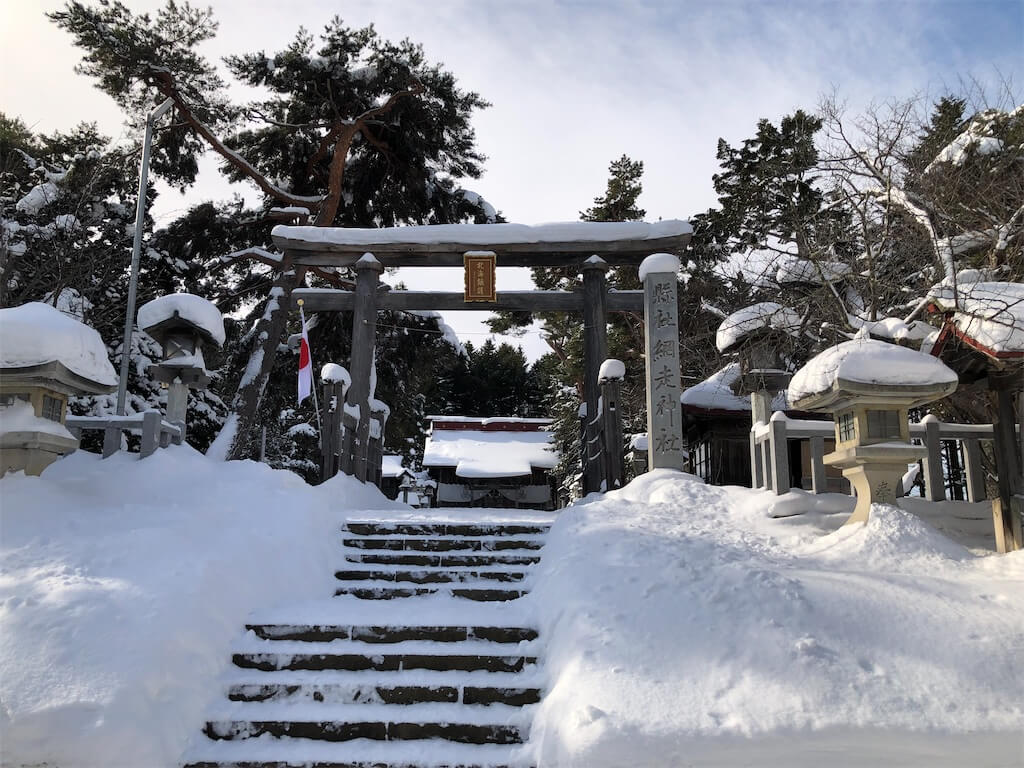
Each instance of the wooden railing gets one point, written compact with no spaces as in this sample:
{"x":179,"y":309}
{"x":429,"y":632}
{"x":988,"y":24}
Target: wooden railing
{"x":155,"y":432}
{"x":601,"y":439}
{"x":340,"y":444}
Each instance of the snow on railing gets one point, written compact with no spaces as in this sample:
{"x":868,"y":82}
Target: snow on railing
{"x":155,"y":432}
{"x":770,"y":468}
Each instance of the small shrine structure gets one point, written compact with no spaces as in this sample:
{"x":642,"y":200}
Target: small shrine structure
{"x":491,"y":462}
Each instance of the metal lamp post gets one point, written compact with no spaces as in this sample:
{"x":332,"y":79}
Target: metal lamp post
{"x":133,"y":283}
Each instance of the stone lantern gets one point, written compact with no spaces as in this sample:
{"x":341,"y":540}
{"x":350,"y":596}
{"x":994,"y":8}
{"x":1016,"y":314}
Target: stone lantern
{"x":868,"y":386}
{"x":182,"y":324}
{"x":45,"y":358}
{"x":761,"y":335}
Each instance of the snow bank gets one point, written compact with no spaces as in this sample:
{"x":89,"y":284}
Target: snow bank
{"x":743,"y":322}
{"x":124,"y":583}
{"x":36,"y":334}
{"x":488,"y":234}
{"x":685,"y":627}
{"x":868,"y":361}
{"x":187,"y":306}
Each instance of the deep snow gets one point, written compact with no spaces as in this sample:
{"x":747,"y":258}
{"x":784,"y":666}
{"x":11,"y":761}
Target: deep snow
{"x":680,"y":623}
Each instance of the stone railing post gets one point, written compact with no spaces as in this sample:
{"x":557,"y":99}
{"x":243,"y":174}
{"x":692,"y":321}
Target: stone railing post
{"x":780,"y":454}
{"x":150,"y":433}
{"x":661,"y":345}
{"x":934,"y":485}
{"x":111,"y":441}
{"x":819,"y":483}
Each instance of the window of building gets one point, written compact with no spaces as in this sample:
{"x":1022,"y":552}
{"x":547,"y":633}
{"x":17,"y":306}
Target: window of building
{"x":884,"y":425}
{"x":701,"y":459}
{"x":846,"y":431}
{"x":52,"y":407}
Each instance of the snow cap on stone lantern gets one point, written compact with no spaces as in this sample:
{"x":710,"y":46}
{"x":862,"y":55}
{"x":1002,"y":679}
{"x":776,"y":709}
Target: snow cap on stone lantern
{"x":869,"y":386}
{"x":182,"y":323}
{"x":760,"y":333}
{"x":45,"y":357}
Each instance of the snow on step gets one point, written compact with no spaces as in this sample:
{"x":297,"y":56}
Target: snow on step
{"x":399,"y":668}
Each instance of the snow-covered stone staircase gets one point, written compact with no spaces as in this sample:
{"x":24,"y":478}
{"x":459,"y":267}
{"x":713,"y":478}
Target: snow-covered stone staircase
{"x":428,"y":658}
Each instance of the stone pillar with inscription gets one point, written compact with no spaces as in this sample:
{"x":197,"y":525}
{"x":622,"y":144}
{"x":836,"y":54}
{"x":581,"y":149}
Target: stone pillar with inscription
{"x":661,"y":336}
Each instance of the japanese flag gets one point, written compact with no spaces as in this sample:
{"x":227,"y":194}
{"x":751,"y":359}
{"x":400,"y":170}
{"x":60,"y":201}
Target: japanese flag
{"x":305,"y":363}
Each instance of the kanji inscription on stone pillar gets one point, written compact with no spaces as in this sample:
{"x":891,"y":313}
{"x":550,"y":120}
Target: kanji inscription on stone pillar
{"x":664,"y":414}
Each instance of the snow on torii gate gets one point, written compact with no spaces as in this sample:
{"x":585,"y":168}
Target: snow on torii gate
{"x":590,"y":246}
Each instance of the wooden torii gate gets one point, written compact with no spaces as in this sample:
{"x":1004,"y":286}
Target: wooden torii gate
{"x":590,"y":246}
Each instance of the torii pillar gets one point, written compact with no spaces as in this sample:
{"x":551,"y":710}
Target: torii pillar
{"x":595,"y":350}
{"x":364,"y":336}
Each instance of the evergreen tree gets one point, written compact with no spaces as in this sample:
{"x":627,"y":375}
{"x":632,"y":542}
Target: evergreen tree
{"x":357,"y":131}
{"x":67,"y":210}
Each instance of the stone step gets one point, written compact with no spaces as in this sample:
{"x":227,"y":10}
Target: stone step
{"x":472,"y":695}
{"x":403,"y":544}
{"x":371,"y":591}
{"x":384,"y":528}
{"x":331,"y":730}
{"x":431,"y":753}
{"x":321,"y":633}
{"x":381,"y":662}
{"x":440,"y":561}
{"x":428,"y":576}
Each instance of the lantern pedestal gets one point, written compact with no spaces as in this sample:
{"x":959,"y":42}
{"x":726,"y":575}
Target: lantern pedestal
{"x":875,"y":472}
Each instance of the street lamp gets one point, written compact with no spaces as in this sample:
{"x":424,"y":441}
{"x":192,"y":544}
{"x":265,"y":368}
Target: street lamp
{"x":133,"y":283}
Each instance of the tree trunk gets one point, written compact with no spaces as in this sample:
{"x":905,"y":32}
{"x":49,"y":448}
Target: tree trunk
{"x":268,"y":333}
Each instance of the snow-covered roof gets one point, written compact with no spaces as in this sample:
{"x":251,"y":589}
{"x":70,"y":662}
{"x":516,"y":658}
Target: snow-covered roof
{"x":765,"y":314}
{"x":488,"y":234}
{"x":37,"y":334}
{"x":489,"y":421}
{"x":187,"y":306}
{"x":715,"y":393}
{"x":476,"y":453}
{"x":391,"y":466}
{"x":991,"y":314}
{"x":869,"y":361}
{"x":796,"y":270}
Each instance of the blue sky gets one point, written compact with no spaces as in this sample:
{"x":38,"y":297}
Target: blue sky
{"x":576,"y":84}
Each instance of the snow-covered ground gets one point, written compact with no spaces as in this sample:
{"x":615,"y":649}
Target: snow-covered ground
{"x":123,"y":583}
{"x":686,"y":627}
{"x":680,"y":623}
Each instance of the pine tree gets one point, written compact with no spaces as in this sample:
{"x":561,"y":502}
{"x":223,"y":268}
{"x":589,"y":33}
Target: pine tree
{"x":357,"y":131}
